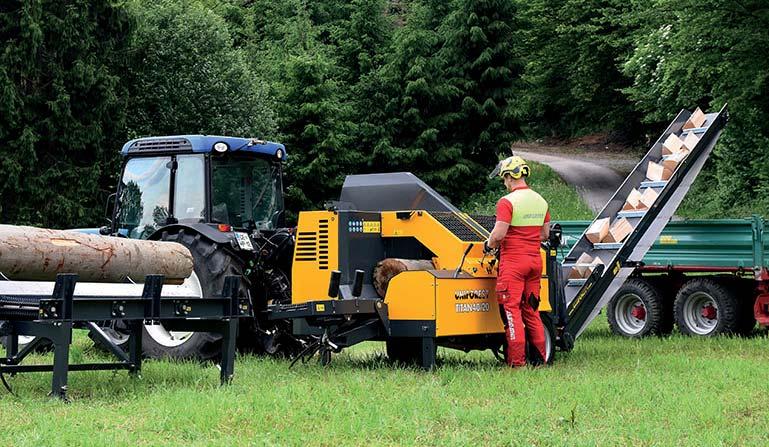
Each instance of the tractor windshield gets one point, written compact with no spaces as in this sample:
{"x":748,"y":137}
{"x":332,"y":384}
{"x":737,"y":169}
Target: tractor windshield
{"x":245,"y":191}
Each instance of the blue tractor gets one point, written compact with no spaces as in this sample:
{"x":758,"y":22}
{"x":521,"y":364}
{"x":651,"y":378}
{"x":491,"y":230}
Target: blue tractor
{"x":221,"y":197}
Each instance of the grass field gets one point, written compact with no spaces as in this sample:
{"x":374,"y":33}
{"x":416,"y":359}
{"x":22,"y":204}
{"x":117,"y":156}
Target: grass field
{"x":608,"y":391}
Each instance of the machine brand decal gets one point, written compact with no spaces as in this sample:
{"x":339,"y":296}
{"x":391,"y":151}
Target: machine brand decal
{"x":480,"y":294}
{"x":471,"y":307}
{"x":668,"y":240}
{"x":578,"y":298}
{"x":364,"y":226}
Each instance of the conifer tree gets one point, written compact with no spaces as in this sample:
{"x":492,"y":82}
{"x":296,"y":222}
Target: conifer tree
{"x":61,"y":108}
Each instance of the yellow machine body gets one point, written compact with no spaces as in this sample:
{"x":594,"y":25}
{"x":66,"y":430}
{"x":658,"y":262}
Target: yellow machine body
{"x":458,"y":301}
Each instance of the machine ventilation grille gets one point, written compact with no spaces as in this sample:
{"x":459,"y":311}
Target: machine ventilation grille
{"x":162,"y":144}
{"x":307,"y":246}
{"x":323,"y":244}
{"x":486,"y":222}
{"x":460,"y":229}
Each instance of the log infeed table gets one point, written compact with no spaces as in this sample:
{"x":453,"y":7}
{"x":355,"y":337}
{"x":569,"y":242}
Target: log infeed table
{"x":27,"y":309}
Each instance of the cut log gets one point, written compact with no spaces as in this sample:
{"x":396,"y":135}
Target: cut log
{"x":386,"y":270}
{"x":582,"y":267}
{"x":671,"y":162}
{"x":696,"y":120}
{"x":38,"y":254}
{"x":619,"y":231}
{"x":691,"y":140}
{"x":648,"y":198}
{"x":598,"y":230}
{"x":672,"y":145}
{"x":656,"y":172}
{"x":633,"y":199}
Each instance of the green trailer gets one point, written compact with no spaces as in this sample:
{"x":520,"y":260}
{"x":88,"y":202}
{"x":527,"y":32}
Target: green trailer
{"x":705,"y":276}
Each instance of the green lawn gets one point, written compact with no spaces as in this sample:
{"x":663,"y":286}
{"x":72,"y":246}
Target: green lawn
{"x":608,"y":391}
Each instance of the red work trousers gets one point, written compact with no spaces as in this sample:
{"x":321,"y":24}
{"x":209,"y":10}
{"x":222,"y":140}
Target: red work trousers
{"x":518,"y":279}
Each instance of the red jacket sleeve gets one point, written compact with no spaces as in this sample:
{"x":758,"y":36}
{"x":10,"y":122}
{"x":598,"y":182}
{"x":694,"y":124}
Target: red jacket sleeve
{"x":504,"y":211}
{"x":547,"y":216}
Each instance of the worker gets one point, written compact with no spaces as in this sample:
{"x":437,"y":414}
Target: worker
{"x":522,"y":222}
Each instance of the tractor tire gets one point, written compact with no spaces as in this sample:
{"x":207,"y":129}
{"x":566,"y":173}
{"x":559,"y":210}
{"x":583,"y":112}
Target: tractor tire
{"x":42,"y":347}
{"x":406,"y":351}
{"x":212,"y":264}
{"x":637,"y":310}
{"x":262,"y":336}
{"x":117,"y":332}
{"x":705,"y":308}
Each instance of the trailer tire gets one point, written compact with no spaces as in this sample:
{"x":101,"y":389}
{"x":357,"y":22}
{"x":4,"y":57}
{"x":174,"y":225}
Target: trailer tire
{"x":636,"y":310}
{"x":705,"y":308}
{"x":212,"y":265}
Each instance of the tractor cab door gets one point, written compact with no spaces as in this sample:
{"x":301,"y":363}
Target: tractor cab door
{"x":157,"y":191}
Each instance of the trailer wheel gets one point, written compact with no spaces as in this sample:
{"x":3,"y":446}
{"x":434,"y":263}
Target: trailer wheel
{"x":636,"y":310}
{"x":703,"y":307}
{"x":212,"y":265}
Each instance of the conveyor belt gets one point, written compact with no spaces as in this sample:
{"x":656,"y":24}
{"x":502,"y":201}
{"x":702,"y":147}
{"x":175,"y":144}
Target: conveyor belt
{"x":585,"y":299}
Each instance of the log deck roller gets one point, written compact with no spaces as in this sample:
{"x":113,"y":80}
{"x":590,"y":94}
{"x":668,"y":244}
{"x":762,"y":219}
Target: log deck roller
{"x":407,"y":267}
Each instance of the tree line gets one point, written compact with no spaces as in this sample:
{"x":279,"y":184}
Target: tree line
{"x":437,"y":87}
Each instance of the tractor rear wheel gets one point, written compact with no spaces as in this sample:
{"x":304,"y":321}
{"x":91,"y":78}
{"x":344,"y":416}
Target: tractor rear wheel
{"x":24,"y":340}
{"x":212,"y":265}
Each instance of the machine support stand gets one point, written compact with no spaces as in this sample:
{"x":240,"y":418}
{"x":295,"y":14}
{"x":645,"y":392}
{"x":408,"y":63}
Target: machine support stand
{"x":428,"y":353}
{"x":135,"y":347}
{"x":60,"y":336}
{"x":229,"y":332}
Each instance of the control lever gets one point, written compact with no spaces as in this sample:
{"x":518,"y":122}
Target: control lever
{"x":333,"y":283}
{"x":357,"y":285}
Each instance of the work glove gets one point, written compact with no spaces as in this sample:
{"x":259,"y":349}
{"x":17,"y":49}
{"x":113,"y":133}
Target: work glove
{"x":488,"y":250}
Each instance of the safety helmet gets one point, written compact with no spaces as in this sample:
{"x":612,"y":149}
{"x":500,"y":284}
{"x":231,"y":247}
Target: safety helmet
{"x":515,"y":166}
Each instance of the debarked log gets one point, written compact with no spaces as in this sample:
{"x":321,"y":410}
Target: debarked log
{"x":386,"y":269}
{"x":39,"y":254}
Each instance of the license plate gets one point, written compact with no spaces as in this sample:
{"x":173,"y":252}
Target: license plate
{"x":244,"y":242}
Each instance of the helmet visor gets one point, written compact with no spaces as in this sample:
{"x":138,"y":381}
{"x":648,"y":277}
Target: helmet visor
{"x":495,"y":172}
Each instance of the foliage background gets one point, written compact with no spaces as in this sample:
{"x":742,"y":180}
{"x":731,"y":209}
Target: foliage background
{"x":439,"y":88}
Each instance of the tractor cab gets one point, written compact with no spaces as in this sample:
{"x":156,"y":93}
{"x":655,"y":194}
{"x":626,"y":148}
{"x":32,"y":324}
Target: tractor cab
{"x":192,"y":180}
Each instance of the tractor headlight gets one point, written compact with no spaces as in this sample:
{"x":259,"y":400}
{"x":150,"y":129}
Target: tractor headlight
{"x":279,"y":154}
{"x":221,"y":147}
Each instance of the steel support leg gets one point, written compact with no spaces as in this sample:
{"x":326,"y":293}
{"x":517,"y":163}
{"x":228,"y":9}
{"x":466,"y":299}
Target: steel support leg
{"x":61,"y":341}
{"x":135,"y":347}
{"x":428,"y":353}
{"x":229,"y":333}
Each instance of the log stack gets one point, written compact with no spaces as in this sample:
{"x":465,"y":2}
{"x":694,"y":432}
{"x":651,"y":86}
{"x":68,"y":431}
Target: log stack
{"x":38,"y":254}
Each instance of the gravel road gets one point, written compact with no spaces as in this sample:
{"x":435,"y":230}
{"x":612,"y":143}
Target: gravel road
{"x":595,"y":176}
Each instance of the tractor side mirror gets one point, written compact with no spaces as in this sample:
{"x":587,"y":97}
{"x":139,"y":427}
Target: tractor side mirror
{"x":109,"y":207}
